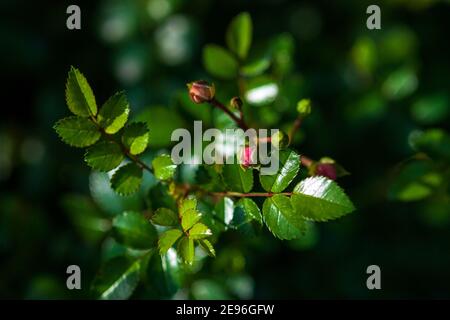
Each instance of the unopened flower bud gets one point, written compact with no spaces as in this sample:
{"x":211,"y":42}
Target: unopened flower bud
{"x":280,"y":140}
{"x":327,"y":170}
{"x":248,"y":157}
{"x":236,"y":103}
{"x":201,"y":91}
{"x":304,"y":107}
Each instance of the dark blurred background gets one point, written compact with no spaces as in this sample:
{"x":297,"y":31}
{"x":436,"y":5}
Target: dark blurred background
{"x":374,"y":93}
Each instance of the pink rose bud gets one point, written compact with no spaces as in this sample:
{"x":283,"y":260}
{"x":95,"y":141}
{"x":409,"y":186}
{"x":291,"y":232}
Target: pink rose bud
{"x":247,"y":156}
{"x":327,"y":170}
{"x":201,"y":91}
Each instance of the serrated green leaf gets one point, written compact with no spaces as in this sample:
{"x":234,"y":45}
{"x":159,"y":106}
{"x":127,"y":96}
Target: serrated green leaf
{"x":132,"y":229}
{"x":189,"y":218}
{"x":219,"y":62}
{"x":135,"y":137}
{"x":165,"y":217}
{"x":104,"y":156}
{"x":114,"y":113}
{"x":186,"y":250}
{"x":320,"y":199}
{"x":239,"y":34}
{"x":236,"y":178}
{"x":117,"y":278}
{"x":199,"y":231}
{"x":79,"y":96}
{"x":77,"y":132}
{"x":127,"y":179}
{"x":281,"y":218}
{"x":187,"y":204}
{"x":208,"y":247}
{"x":168,"y":239}
{"x":164,"y":167}
{"x":251,"y":210}
{"x":289,"y":164}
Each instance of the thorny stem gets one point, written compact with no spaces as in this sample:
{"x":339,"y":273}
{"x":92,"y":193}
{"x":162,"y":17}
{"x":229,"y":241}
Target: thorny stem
{"x":239,"y":120}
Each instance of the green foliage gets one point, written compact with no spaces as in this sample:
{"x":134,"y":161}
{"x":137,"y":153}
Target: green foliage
{"x":186,"y":250}
{"x":239,"y":34}
{"x":250,"y":209}
{"x":219,"y":62}
{"x":135,"y":138}
{"x":320,"y":199}
{"x":77,"y":131}
{"x":289,"y":164}
{"x":164,"y":167}
{"x":133,"y":230}
{"x":168,"y":239}
{"x":281,"y":218}
{"x":118,"y":278}
{"x":104,"y":156}
{"x":191,"y":207}
{"x":127,"y":179}
{"x":114,"y":113}
{"x":237,"y":178}
{"x":79,"y":96}
{"x":165,"y":217}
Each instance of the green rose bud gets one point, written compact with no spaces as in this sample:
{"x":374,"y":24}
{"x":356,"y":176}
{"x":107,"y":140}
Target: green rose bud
{"x":280,"y":140}
{"x":304,"y":107}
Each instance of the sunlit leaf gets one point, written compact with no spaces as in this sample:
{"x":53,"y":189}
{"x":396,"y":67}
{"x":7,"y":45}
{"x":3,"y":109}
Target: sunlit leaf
{"x":114,"y":113}
{"x":168,"y":239}
{"x":289,"y":164}
{"x":320,"y":199}
{"x":135,"y":137}
{"x":79,"y":96}
{"x":186,"y":250}
{"x":199,"y":231}
{"x":77,"y":131}
{"x":281,"y":219}
{"x":164,"y":167}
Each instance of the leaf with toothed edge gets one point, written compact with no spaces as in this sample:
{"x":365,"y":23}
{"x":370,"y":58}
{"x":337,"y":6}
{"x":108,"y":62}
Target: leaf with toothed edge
{"x":165,"y":217}
{"x":77,"y":131}
{"x":164,"y":167}
{"x":208,"y":247}
{"x":79,"y":96}
{"x":289,"y":164}
{"x":320,"y":199}
{"x":135,"y":137}
{"x":199,"y":231}
{"x":168,"y":239}
{"x":114,"y":113}
{"x":104,"y":156}
{"x":127,"y":179}
{"x":186,"y":250}
{"x":281,"y":218}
